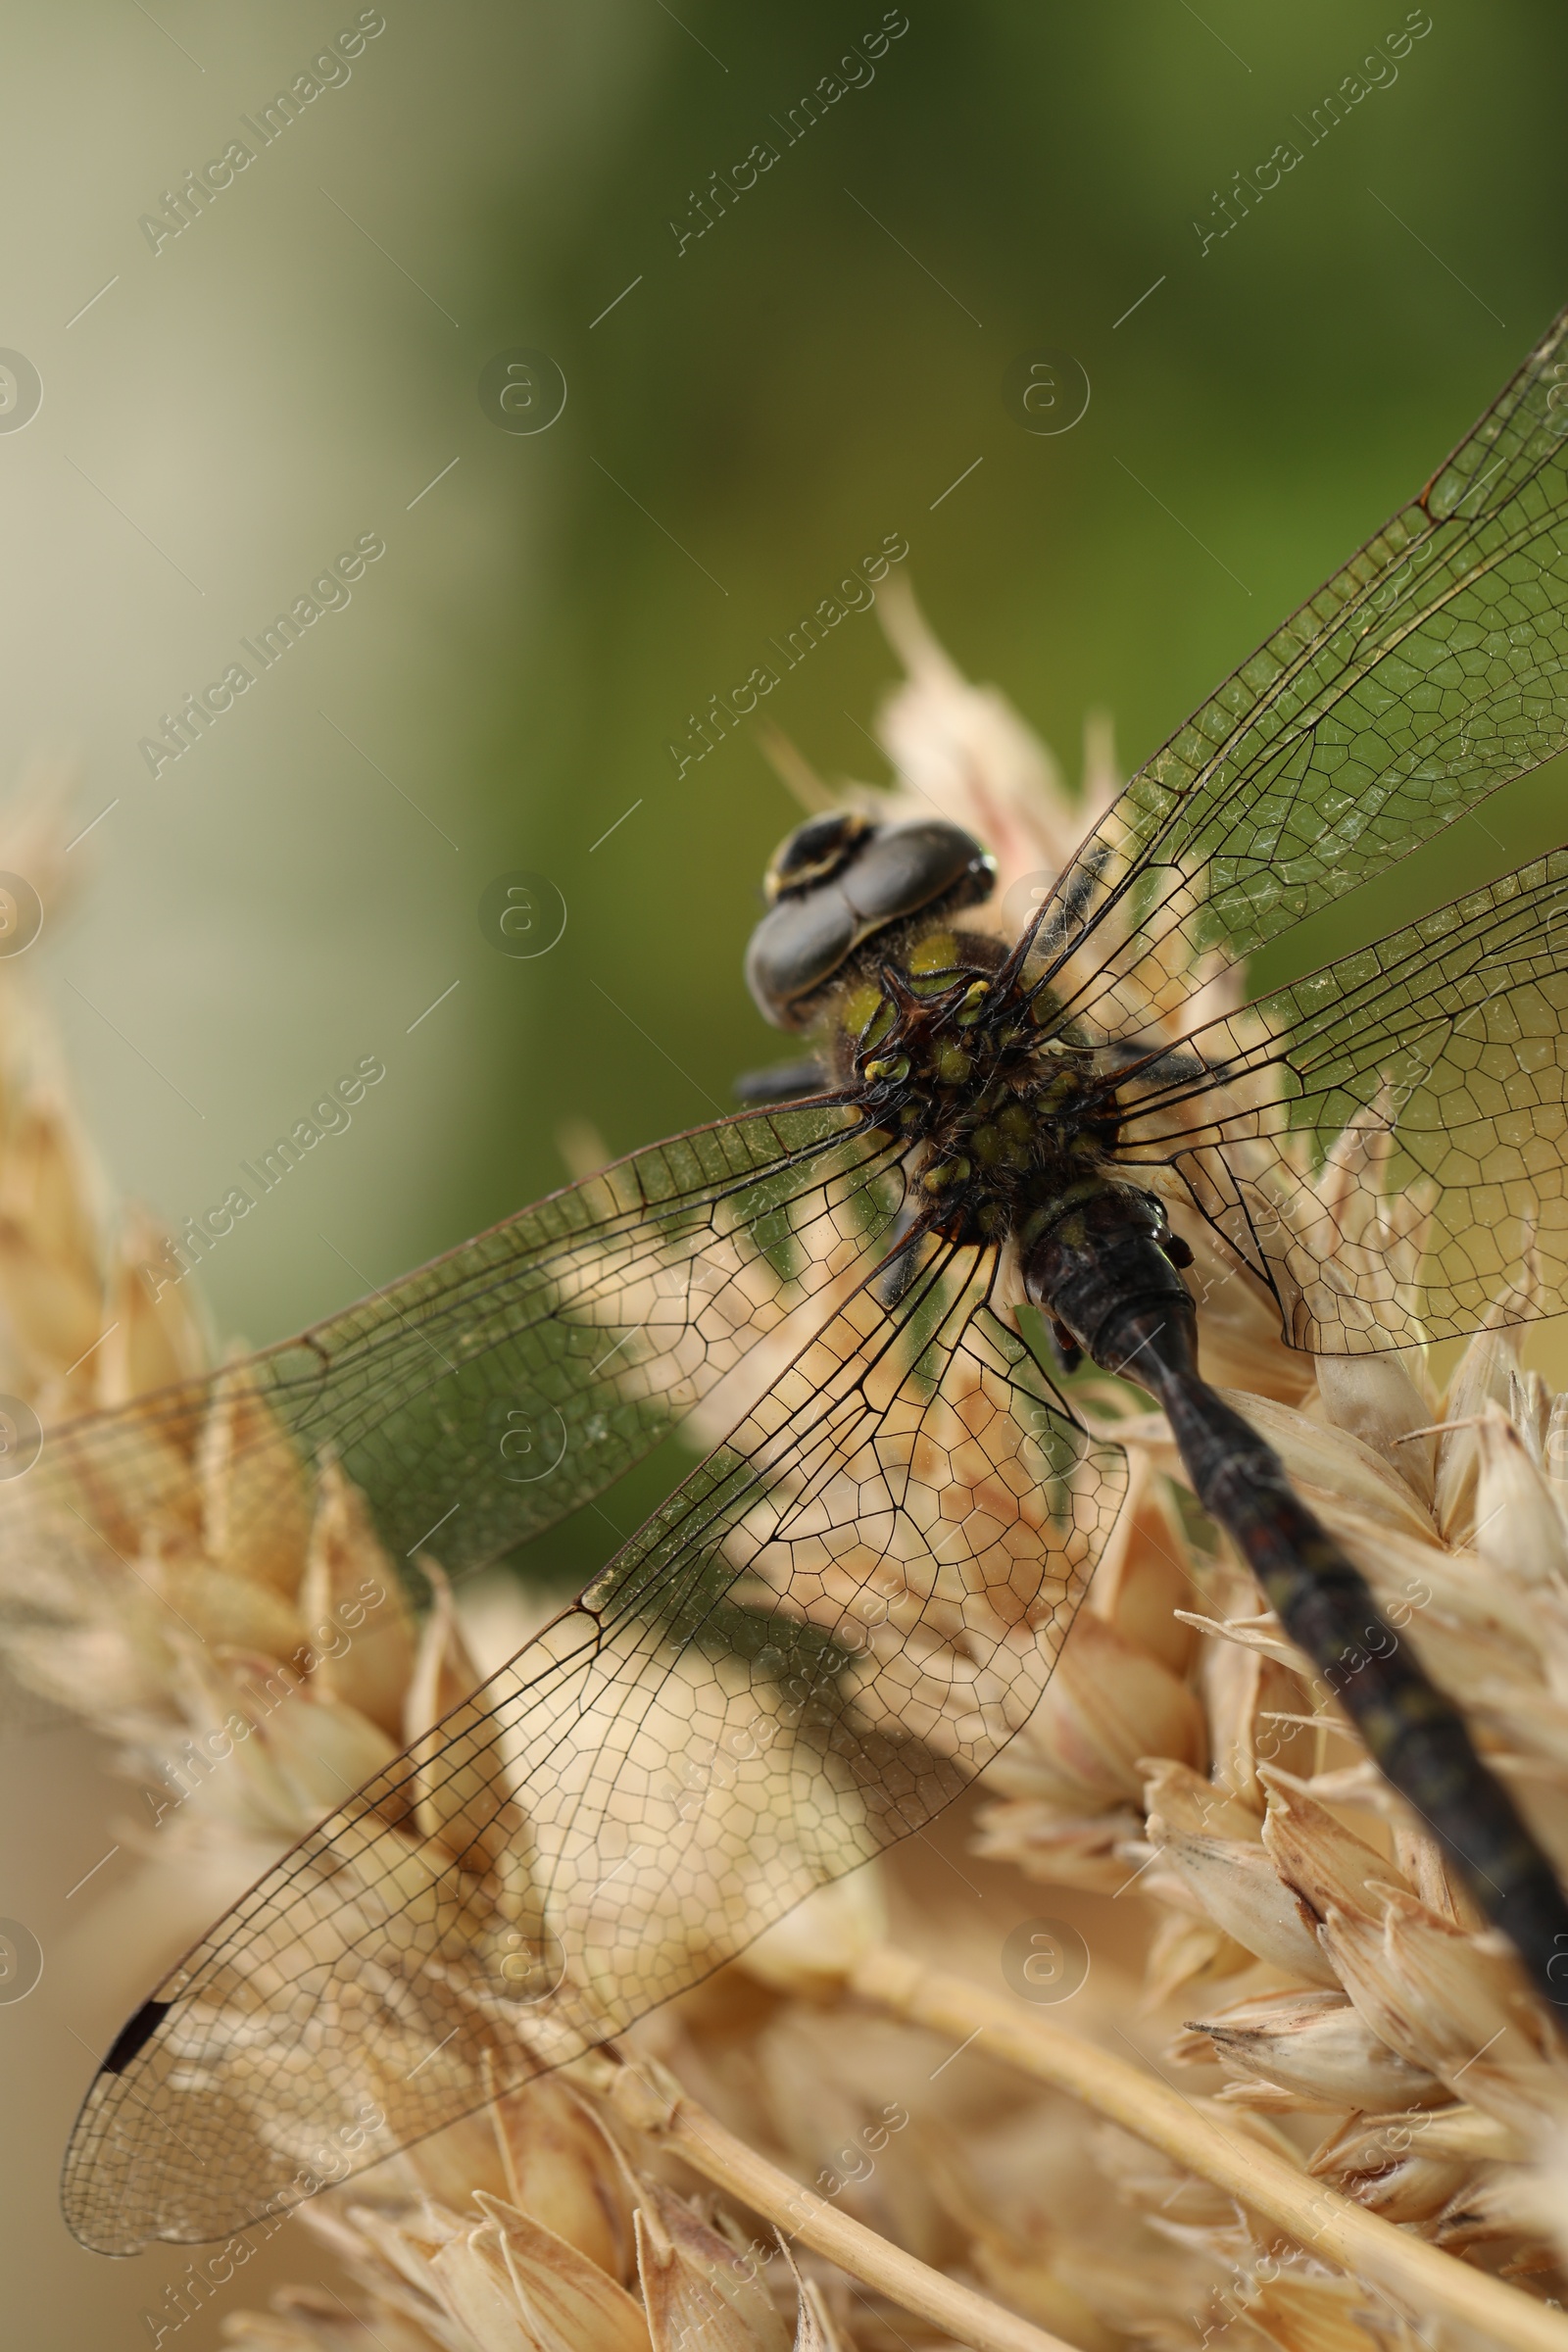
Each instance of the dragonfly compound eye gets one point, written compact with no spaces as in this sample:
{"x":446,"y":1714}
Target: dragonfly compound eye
{"x":815,"y":852}
{"x":835,"y":882}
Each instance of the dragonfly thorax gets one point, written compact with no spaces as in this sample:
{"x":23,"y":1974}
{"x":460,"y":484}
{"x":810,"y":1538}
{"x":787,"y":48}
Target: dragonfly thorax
{"x":1007,"y":1121}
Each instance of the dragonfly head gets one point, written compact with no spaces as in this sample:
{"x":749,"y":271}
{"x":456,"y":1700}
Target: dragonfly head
{"x":840,"y":881}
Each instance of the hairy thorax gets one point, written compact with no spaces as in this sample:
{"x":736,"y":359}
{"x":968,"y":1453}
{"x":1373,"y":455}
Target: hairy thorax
{"x":1009,"y":1122}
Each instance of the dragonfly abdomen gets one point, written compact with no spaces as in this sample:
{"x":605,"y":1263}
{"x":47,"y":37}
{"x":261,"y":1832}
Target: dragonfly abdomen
{"x":1103,"y":1273}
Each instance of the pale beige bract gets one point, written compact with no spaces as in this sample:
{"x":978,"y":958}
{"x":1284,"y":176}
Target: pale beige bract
{"x":1269,"y":1925}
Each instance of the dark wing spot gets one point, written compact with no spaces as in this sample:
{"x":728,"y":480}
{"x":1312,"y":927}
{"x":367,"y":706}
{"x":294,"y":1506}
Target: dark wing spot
{"x":134,"y":2036}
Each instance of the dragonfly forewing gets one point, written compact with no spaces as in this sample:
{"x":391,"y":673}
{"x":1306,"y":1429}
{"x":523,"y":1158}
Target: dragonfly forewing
{"x":844,"y":1613}
{"x":484,"y":1397}
{"x":807,"y":1653}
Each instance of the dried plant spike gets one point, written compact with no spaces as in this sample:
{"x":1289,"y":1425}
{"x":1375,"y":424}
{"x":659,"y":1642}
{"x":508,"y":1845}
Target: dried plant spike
{"x":1320,"y":1860}
{"x":1145,"y":1773}
{"x":1235,"y":1881}
{"x":1375,"y":1399}
{"x":559,"y":2299}
{"x":689,"y":2132}
{"x":359,"y":1627}
{"x":1315,"y":2045}
{"x":154,"y":1335}
{"x":695,"y":2288}
{"x":1335,"y":2229}
{"x":564,"y":2170}
{"x":256,"y":1509}
{"x":45,"y":1187}
{"x":812,"y":1948}
{"x":1519,"y":1530}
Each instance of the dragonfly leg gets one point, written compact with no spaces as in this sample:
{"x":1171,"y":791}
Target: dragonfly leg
{"x":1104,"y":1273}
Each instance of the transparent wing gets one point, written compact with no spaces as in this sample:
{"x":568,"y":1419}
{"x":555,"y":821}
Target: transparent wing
{"x":1386,"y":1141}
{"x":1422,"y":677}
{"x":823,"y":1634}
{"x":484,"y":1396}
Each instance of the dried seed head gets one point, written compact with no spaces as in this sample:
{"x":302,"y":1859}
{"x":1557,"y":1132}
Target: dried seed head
{"x":1485,"y":1374}
{"x":812,"y":1949}
{"x":515,"y":2285}
{"x":1375,"y":1399}
{"x":1452,"y":2004}
{"x":1315,"y":2045}
{"x":696,"y":2289}
{"x":1236,"y":1884}
{"x":1108,"y":1706}
{"x":359,"y":1627}
{"x":257,"y":1559}
{"x":152,"y":1339}
{"x":1318,"y":1858}
{"x":1520,"y":1531}
{"x":256,"y":1507}
{"x":1184,"y":1800}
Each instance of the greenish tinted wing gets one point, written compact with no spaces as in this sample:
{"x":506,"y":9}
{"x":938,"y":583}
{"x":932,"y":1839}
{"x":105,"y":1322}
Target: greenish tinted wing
{"x":481,"y":1398}
{"x":815,"y":1643}
{"x":1422,"y":677}
{"x":1387,"y":1142}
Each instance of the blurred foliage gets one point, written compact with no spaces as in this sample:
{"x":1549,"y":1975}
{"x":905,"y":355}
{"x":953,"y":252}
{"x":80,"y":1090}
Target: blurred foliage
{"x":781,"y":391}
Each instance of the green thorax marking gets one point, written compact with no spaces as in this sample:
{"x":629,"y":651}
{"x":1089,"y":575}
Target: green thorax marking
{"x":1007,"y":1118}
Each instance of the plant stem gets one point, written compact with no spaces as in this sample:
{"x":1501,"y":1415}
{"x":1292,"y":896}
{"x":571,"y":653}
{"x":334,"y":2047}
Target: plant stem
{"x":1317,"y":2216}
{"x":691,"y":2132}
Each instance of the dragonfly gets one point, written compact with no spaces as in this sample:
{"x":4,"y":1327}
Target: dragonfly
{"x":847,"y":1609}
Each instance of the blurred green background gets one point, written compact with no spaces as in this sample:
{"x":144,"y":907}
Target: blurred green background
{"x":761,"y":405}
